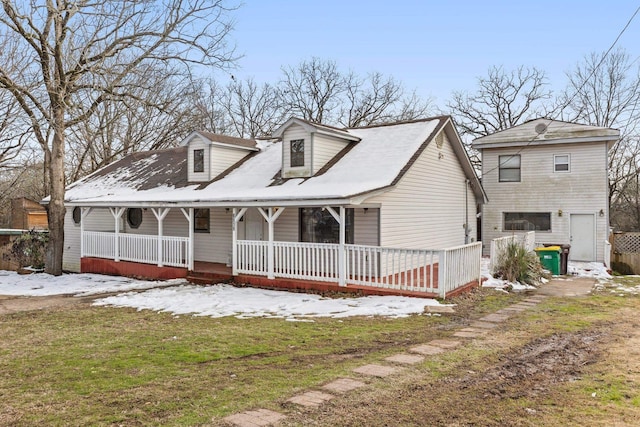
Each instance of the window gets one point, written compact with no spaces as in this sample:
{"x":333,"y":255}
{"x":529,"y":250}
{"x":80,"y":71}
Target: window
{"x":527,"y":221}
{"x":317,"y":225}
{"x":201,"y":224}
{"x":297,"y":152}
{"x":77,"y":213}
{"x":198,"y":160}
{"x":561,"y":163}
{"x":134,"y":217}
{"x":509,"y":168}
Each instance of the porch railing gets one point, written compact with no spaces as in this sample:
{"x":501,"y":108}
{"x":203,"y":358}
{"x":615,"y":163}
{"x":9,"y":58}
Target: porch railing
{"x":312,"y":261}
{"x":431,"y":271}
{"x":460,"y":265}
{"x":252,"y":257}
{"x":136,"y":248}
{"x":402,"y":269}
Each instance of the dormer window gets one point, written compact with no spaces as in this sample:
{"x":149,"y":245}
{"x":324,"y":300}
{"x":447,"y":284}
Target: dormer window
{"x":297,"y":152}
{"x":198,"y":160}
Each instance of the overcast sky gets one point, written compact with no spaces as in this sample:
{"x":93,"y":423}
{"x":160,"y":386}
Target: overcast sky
{"x":435,"y":47}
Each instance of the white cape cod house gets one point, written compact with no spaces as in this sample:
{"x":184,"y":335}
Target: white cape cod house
{"x":390,"y":207}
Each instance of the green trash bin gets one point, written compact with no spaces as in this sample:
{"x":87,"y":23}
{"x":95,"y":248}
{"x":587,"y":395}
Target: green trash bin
{"x":550,"y":258}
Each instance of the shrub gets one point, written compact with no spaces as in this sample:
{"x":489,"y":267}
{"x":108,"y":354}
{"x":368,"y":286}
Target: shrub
{"x":516,"y":264}
{"x":29,"y":249}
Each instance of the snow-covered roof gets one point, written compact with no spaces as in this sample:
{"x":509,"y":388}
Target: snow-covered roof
{"x":375,"y":163}
{"x":223,"y":140}
{"x":546,"y":131}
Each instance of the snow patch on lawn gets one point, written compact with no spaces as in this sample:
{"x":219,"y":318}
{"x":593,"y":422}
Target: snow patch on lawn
{"x":178,"y":297}
{"x":225,"y":300}
{"x":42,"y":284}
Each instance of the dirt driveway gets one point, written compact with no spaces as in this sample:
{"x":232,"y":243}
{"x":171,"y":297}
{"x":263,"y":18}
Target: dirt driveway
{"x":14,"y":304}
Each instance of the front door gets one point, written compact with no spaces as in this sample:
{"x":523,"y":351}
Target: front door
{"x":583,"y":237}
{"x":254,"y":225}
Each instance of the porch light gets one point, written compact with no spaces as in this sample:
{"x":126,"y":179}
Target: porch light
{"x":601,"y":213}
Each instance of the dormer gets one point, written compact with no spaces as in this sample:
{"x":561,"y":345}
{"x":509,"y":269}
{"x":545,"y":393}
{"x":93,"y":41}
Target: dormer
{"x":307,"y":147}
{"x":210,"y":154}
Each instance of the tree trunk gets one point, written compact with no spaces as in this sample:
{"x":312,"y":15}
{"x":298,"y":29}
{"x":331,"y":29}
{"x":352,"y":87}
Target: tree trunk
{"x":55,"y":247}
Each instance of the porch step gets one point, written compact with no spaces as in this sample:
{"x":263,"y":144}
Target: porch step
{"x":206,"y":278}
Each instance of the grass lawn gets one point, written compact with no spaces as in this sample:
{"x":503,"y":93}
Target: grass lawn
{"x":99,"y":366}
{"x":567,"y":361}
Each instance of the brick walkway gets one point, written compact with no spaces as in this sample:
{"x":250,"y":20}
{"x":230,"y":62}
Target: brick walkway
{"x":395,"y":363}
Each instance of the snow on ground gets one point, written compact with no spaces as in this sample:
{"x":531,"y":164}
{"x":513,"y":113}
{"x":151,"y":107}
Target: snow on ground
{"x":177,"y":297}
{"x":597,"y":270}
{"x":42,"y":284}
{"x":225,"y":300}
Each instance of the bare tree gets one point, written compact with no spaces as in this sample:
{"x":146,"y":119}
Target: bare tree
{"x":251,"y":109}
{"x":604,"y":90}
{"x":503,"y":99}
{"x":378,"y":99}
{"x":313,"y":89}
{"x":120,"y":127}
{"x":75,"y":56}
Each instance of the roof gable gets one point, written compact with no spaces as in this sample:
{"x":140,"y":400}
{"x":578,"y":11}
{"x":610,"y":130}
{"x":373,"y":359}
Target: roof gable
{"x":547,"y":131}
{"x":314,"y":127}
{"x":222,"y":140}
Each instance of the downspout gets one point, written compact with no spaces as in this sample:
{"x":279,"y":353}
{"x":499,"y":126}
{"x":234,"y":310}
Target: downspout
{"x":466,"y":212}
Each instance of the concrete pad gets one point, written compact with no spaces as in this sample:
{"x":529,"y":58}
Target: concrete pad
{"x":483,"y":325}
{"x":445,"y":343}
{"x":570,"y":287}
{"x":494,"y":317}
{"x":406,"y":359}
{"x":343,"y":385}
{"x":257,"y":418}
{"x":525,"y":304}
{"x":469,"y":334}
{"x":311,"y":398}
{"x":439,"y":309}
{"x":377,"y":370}
{"x":472,"y":329}
{"x":512,"y":308}
{"x":427,"y":350}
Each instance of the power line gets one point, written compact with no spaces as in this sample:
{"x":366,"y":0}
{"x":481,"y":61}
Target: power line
{"x":577,"y":91}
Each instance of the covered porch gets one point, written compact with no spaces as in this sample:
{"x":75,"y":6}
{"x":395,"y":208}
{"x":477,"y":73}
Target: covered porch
{"x":259,"y":259}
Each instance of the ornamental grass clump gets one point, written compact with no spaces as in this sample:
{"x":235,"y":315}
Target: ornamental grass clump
{"x":516,"y":264}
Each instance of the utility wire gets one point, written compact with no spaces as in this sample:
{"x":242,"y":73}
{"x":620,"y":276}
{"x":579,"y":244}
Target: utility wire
{"x":577,"y":91}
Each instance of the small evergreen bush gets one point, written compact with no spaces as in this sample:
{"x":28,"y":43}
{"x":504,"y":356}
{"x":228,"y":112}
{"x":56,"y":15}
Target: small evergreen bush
{"x":516,"y":264}
{"x":29,"y":249}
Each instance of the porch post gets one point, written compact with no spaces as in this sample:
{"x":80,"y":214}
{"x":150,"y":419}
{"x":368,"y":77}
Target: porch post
{"x":342,"y":271}
{"x":117,"y":214}
{"x":271,"y":217}
{"x":160,"y":214}
{"x":189,"y":216}
{"x":235,"y":218}
{"x":342,"y":257}
{"x":83,"y":213}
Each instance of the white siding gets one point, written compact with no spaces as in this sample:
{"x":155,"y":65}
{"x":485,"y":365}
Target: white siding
{"x":97,"y":220}
{"x":582,"y":190}
{"x":324,"y":149}
{"x":287,"y":227}
{"x":365,"y":226}
{"x":197,"y":144}
{"x":426,"y":210}
{"x":222,"y":158}
{"x":214,"y":246}
{"x":296,"y":132}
